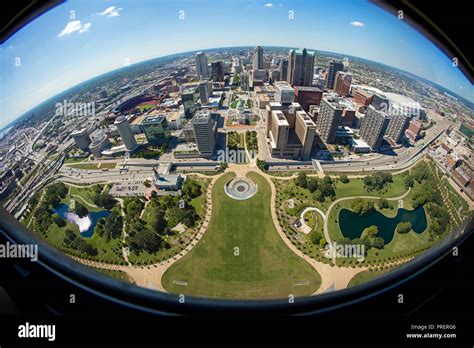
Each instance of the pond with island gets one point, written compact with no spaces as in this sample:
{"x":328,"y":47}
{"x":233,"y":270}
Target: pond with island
{"x":352,"y":225}
{"x":85,"y":224}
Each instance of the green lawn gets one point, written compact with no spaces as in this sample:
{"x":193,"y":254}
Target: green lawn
{"x":264,"y":268}
{"x":365,"y":276}
{"x":84,"y":166}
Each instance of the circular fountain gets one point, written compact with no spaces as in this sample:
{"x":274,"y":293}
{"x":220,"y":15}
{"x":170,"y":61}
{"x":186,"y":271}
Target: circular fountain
{"x":240,"y":188}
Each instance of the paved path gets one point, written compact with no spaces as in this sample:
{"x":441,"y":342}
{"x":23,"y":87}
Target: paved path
{"x":328,"y":213}
{"x":332,"y":277}
{"x":150,"y":276}
{"x":303,"y":223}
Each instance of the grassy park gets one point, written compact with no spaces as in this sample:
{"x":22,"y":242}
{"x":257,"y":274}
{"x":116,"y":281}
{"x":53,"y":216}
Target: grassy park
{"x":264,"y":266}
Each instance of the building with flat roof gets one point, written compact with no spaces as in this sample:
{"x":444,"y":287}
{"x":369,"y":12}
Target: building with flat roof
{"x":82,"y":139}
{"x":396,"y":127}
{"x":333,"y":68}
{"x":290,"y":131}
{"x":307,"y":96}
{"x":362,"y":97}
{"x":284,"y":93}
{"x":329,"y":118}
{"x":204,"y":132}
{"x":156,"y":129}
{"x":414,"y":130}
{"x":373,"y":127}
{"x":342,"y":85}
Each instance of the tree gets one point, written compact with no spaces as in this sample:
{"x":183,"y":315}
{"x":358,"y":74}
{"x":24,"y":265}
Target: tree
{"x":312,"y":184}
{"x":315,"y":237}
{"x":104,"y":200}
{"x":403,"y":227}
{"x":58,"y":220}
{"x":362,"y":207}
{"x":191,"y":188}
{"x":409,"y":181}
{"x":344,"y":179}
{"x":301,"y":180}
{"x":383,"y":203}
{"x":318,"y":196}
{"x":326,"y":187}
{"x":370,"y":232}
{"x":81,"y":210}
{"x":378,"y":243}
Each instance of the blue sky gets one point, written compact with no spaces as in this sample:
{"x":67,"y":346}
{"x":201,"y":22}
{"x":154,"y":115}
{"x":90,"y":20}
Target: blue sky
{"x":62,"y":48}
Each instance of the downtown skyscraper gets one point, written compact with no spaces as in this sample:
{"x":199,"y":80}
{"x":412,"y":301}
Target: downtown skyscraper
{"x":202,"y":70}
{"x":300,"y":67}
{"x":334,"y":67}
{"x":258,"y":58}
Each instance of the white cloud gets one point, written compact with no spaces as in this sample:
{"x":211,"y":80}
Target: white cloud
{"x":111,"y":11}
{"x":73,"y":26}
{"x":70,"y":28}
{"x":357,"y":24}
{"x":269,"y":4}
{"x":85,"y":27}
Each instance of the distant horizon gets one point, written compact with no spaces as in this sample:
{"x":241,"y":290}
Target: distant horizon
{"x":79,"y":40}
{"x":215,"y":49}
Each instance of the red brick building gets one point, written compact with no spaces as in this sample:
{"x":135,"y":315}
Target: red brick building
{"x":307,"y":96}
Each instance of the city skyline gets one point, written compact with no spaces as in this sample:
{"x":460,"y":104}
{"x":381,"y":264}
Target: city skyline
{"x":73,"y":39}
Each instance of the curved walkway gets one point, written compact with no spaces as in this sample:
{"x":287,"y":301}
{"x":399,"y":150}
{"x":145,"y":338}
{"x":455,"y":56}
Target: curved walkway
{"x":150,"y":276}
{"x":328,"y":214}
{"x":303,"y":223}
{"x":332,"y":277}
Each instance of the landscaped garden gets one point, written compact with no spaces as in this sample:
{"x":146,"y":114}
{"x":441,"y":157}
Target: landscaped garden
{"x":435,"y":214}
{"x":241,"y":254}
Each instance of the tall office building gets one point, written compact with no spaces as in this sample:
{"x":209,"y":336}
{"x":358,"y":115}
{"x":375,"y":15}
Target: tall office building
{"x":244,"y":81}
{"x":342,"y":85}
{"x":290,"y":130}
{"x":204,"y":92}
{"x":217,"y":71}
{"x":305,"y":130}
{"x":334,"y":67}
{"x":330,"y":114}
{"x":204,"y":132}
{"x":396,"y":127}
{"x":82,"y":139}
{"x":202,"y":69}
{"x":300,"y":67}
{"x":284,"y":93}
{"x":258,"y":58}
{"x":156,"y":129}
{"x":189,"y":98}
{"x":280,"y":130}
{"x":126,"y":133}
{"x":373,"y":127}
{"x":283,"y":70}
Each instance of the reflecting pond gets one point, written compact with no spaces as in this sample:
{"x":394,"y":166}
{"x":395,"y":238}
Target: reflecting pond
{"x":352,"y":225}
{"x":86,"y":224}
